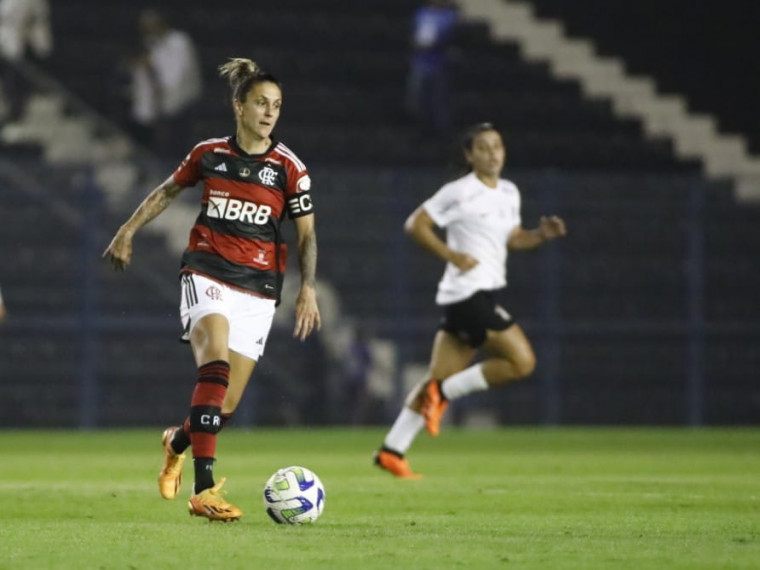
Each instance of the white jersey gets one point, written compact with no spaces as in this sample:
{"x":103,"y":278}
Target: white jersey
{"x":478,"y":221}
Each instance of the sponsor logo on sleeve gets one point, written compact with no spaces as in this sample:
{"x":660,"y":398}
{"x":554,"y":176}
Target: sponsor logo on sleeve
{"x":304,"y":184}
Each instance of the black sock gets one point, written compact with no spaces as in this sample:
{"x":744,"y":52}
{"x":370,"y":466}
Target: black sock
{"x":392,"y":451}
{"x":204,"y":473}
{"x":180,"y":442}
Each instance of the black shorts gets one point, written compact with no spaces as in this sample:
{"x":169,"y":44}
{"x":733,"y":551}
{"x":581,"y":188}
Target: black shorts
{"x":469,"y":320}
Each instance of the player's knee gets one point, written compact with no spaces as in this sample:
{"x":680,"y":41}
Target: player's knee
{"x":525,"y":364}
{"x":210,"y":342}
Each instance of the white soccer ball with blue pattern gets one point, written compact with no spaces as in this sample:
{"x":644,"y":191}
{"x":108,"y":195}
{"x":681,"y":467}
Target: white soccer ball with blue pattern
{"x":294,"y":495}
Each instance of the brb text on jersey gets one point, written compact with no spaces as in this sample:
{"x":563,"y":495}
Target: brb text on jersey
{"x":237,"y":237}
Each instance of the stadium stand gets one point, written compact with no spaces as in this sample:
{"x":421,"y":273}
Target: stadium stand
{"x":344,"y":65}
{"x":683,"y":45}
{"x":658,"y":259}
{"x":59,"y":293}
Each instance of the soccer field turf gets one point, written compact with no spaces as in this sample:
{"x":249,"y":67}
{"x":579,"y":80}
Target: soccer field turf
{"x":509,"y":498}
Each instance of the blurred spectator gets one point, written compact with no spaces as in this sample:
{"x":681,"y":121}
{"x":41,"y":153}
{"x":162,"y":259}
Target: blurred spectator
{"x":25,"y":34}
{"x":3,"y":313}
{"x":144,"y":99}
{"x":427,"y":89}
{"x":165,"y":86}
{"x":358,"y":365}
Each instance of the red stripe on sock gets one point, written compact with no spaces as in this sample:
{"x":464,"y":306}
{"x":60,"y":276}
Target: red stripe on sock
{"x":208,"y":394}
{"x":203,"y":444}
{"x":209,"y":391}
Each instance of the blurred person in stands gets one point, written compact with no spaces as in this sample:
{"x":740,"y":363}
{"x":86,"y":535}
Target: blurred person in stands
{"x":144,"y":99}
{"x":232,"y":270}
{"x":480,"y":213}
{"x":25,"y":35}
{"x":358,"y":366}
{"x":3,"y":312}
{"x":166,"y":85}
{"x":427,"y":87}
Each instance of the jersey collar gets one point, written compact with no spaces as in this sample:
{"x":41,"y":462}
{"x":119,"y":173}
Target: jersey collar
{"x":232,"y":141}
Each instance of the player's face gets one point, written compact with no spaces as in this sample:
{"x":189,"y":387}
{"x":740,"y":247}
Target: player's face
{"x":488,"y":154}
{"x":259,"y":112}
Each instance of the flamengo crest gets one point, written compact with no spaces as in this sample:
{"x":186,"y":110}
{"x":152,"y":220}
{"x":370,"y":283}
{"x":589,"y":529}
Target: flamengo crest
{"x":267,"y":176}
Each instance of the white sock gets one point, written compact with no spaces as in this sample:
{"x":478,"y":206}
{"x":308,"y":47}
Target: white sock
{"x":406,"y":427}
{"x":465,"y":382}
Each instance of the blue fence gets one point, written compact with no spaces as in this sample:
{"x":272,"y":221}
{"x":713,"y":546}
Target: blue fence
{"x":645,"y":314}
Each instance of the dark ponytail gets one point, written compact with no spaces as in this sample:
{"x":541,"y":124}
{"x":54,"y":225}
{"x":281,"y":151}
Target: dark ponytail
{"x":242,"y":74}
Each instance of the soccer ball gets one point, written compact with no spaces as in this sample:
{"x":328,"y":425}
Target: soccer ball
{"x":294,"y":495}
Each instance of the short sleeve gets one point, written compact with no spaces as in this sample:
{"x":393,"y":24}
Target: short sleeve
{"x":298,"y":193}
{"x":188,"y":173}
{"x":444,"y":206}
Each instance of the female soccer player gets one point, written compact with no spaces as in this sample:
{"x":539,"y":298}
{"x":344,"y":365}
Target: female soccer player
{"x":481,"y":215}
{"x":232,"y":269}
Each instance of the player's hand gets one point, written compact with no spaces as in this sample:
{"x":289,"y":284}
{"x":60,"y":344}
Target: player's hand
{"x":463,"y":261}
{"x":552,"y":227}
{"x":119,"y":251}
{"x":307,"y":313}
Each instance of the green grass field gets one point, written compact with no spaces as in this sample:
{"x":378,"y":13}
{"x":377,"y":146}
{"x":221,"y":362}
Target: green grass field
{"x":511,"y":498}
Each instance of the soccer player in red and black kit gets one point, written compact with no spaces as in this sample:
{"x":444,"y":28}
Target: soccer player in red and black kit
{"x":232,"y":269}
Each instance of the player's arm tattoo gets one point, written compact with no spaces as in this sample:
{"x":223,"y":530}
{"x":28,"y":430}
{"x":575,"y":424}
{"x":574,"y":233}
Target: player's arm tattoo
{"x":307,"y":251}
{"x":155,"y":203}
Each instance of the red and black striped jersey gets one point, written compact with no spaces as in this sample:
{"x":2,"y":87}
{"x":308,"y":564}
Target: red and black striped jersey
{"x":236,"y":237}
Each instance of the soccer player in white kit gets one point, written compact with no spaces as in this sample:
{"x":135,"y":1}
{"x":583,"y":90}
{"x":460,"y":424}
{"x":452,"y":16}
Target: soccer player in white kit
{"x":481,"y":215}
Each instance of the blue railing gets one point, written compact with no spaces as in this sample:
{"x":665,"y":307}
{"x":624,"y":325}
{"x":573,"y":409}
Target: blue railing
{"x":387,"y":284}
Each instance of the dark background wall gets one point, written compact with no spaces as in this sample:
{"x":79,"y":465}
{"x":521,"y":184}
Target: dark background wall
{"x":705,"y":50}
{"x":646,"y":314}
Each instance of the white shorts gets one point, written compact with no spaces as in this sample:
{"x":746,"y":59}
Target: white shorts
{"x":250,"y":317}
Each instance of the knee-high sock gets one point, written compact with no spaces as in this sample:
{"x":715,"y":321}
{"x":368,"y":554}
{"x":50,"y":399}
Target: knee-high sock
{"x":465,"y":382}
{"x":181,"y":440}
{"x":205,"y":419}
{"x":406,"y":427}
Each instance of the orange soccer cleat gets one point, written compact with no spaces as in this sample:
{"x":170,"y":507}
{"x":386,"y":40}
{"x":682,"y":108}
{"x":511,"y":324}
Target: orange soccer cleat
{"x":170,"y":477}
{"x":395,"y":464}
{"x":211,"y":504}
{"x":434,"y":404}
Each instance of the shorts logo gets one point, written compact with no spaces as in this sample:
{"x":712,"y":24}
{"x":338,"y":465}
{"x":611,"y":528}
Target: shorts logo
{"x":502,"y":312}
{"x":267,"y":176}
{"x":214,"y":293}
{"x":232,"y":209}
